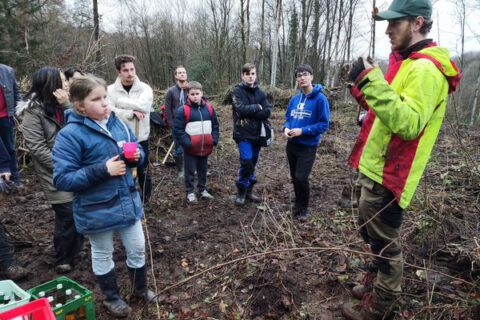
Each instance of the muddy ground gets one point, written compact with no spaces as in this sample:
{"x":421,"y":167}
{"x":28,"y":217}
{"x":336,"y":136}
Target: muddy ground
{"x":216,"y":261}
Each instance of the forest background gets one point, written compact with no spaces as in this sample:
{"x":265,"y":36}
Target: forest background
{"x":214,"y":38}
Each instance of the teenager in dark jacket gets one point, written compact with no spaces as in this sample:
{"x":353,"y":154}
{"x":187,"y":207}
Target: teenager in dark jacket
{"x":306,"y":119}
{"x":196,"y":130}
{"x":176,"y":97}
{"x":250,"y":109}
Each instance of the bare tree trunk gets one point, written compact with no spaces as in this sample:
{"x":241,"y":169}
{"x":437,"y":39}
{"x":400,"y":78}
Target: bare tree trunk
{"x":373,"y":29}
{"x":475,"y":100}
{"x":278,"y":15}
{"x":262,"y":45}
{"x":96,"y":29}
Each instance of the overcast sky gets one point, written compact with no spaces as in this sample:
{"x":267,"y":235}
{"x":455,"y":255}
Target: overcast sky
{"x":446,"y":28}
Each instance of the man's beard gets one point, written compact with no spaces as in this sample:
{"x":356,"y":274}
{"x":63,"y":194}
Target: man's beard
{"x":406,"y":40}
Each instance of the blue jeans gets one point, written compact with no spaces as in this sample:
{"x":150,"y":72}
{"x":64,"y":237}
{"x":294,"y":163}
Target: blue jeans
{"x":102,"y":248}
{"x":7,"y":135}
{"x":249,"y":153}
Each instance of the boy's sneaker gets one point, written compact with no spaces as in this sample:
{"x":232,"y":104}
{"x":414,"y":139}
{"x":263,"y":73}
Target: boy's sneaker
{"x":191,"y":198}
{"x":206,"y":195}
{"x":15,"y":272}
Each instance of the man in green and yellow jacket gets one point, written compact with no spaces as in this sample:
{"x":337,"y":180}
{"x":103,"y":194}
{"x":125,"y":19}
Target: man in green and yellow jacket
{"x":406,"y":108}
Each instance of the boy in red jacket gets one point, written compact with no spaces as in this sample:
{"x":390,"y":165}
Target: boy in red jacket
{"x":196,"y":130}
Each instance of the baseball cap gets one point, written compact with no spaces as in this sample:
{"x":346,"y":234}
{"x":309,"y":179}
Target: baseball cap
{"x":406,"y":8}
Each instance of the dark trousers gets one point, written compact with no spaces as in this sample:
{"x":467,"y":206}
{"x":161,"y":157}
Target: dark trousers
{"x":192,"y":164}
{"x":177,"y":148}
{"x":7,"y":135}
{"x":66,"y":240}
{"x":249,"y":153}
{"x":144,"y":178}
{"x":6,"y":250}
{"x":300,"y":160}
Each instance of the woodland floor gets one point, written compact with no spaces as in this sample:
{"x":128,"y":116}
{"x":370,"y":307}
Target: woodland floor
{"x":217,"y":261}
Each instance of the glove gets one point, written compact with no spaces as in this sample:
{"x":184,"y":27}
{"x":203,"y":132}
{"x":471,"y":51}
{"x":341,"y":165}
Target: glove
{"x":360,"y":65}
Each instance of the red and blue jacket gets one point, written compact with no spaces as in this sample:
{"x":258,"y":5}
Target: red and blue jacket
{"x":196,"y":128}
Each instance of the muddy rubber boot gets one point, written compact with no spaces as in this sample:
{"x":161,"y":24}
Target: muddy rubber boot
{"x":241,"y":196}
{"x":113,"y":302}
{"x":250,"y":196}
{"x":138,"y":277}
{"x":179,"y":166}
{"x":372,"y":307}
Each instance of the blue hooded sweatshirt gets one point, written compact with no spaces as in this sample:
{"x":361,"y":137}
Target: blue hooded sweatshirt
{"x":310,"y":113}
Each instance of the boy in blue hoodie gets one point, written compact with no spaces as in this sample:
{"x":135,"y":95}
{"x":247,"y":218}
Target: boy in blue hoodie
{"x":306,"y":119}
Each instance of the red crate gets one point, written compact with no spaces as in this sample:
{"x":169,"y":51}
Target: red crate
{"x":36,"y":310}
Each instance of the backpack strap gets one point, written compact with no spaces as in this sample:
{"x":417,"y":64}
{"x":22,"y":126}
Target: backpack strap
{"x":210,"y":109}
{"x":453,"y":81}
{"x":186,"y":113}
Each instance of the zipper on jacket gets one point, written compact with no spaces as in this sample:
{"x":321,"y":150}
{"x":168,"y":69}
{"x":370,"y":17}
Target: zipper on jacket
{"x":203,"y":134}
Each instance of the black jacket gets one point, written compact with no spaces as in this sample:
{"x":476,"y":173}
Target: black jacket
{"x":246,"y":113}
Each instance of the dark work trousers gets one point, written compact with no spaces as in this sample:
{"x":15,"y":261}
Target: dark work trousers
{"x":300,"y":160}
{"x":66,"y":240}
{"x":249,"y":153}
{"x":192,"y":164}
{"x":144,"y":177}
{"x":381,"y":219}
{"x":7,"y":135}
{"x":6,"y":250}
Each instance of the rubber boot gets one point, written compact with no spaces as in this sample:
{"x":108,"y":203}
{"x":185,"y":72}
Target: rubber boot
{"x":179,"y":166}
{"x":241,"y":195}
{"x":250,"y":196}
{"x":113,"y":302}
{"x":138,"y":277}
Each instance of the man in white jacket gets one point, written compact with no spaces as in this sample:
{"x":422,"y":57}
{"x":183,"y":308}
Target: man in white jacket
{"x":132,"y":100}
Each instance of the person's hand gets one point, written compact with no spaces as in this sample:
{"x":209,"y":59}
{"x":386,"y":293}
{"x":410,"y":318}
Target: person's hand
{"x":62,"y":96}
{"x":297,"y":132}
{"x":139,"y":115}
{"x":5,"y":176}
{"x":136,"y":155}
{"x":116,"y":167}
{"x":361,"y":64}
{"x":286,"y":132}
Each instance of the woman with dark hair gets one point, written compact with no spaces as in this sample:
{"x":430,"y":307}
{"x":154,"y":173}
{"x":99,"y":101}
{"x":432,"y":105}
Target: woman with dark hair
{"x":43,"y":118}
{"x":72,"y":73}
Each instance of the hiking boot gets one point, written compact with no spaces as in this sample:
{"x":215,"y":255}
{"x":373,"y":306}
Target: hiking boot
{"x":252,"y":197}
{"x":206,"y":195}
{"x":113,"y":302}
{"x":191,"y":198}
{"x":370,"y":308}
{"x":367,"y":282}
{"x":301,"y":214}
{"x":63,"y":268}
{"x":241,"y":196}
{"x":15,"y":272}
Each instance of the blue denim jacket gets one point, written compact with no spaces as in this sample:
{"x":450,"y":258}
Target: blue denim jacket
{"x":10,"y":88}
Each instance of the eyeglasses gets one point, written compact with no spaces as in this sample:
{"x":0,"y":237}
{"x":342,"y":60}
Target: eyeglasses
{"x":302,"y":74}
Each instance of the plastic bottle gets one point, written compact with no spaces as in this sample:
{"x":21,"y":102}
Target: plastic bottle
{"x":50,"y":300}
{"x":68,"y":295}
{"x":60,"y":294}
